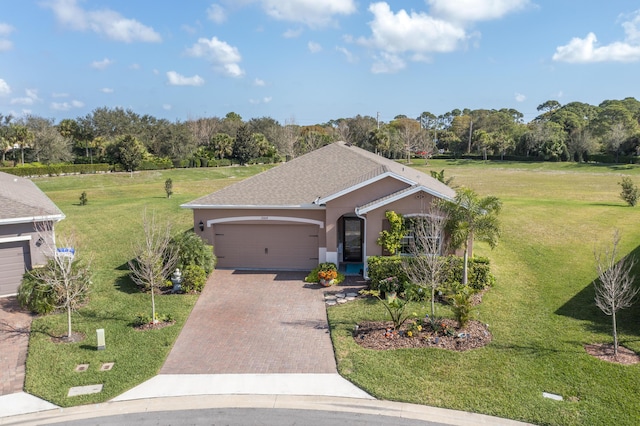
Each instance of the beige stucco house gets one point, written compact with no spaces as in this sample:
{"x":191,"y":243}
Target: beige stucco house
{"x":25,"y":211}
{"x":325,"y":206}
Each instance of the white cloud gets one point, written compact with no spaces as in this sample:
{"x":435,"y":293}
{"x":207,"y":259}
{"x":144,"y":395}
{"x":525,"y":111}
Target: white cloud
{"x":5,"y":89}
{"x":224,"y":57}
{"x":292,"y":33}
{"x":314,"y":47}
{"x":415,"y":31}
{"x":60,"y":95}
{"x":387,"y":63}
{"x":216,"y":13}
{"x":176,"y":79}
{"x":258,"y":82}
{"x":66,"y":106}
{"x":264,"y":100}
{"x":105,"y":22}
{"x":475,"y":10}
{"x":5,"y":30}
{"x":106,"y":90}
{"x":520,"y":97}
{"x":30,"y":98}
{"x":586,"y":50}
{"x":134,"y":66}
{"x":313,"y":13}
{"x":100,"y":65}
{"x":347,"y":54}
{"x":166,"y":107}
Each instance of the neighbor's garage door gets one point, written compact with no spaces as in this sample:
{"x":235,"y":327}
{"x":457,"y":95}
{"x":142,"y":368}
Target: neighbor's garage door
{"x":14,"y":259}
{"x":266,"y":246}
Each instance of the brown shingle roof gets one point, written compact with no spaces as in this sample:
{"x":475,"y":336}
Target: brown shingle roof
{"x":22,"y":199}
{"x":319,"y":174}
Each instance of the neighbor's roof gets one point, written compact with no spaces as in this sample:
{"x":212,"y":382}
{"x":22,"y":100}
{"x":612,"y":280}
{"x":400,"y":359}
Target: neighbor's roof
{"x":22,"y":201}
{"x":317,"y":176}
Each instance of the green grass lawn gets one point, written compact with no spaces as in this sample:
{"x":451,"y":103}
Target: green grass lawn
{"x":106,"y":228}
{"x":541,"y":311}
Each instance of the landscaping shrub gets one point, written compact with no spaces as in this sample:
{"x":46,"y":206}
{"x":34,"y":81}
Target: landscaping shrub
{"x":36,"y":169}
{"x":314,"y":275}
{"x":83,"y":198}
{"x":630,"y":192}
{"x":192,"y":250}
{"x":193,"y":279}
{"x":36,"y":296}
{"x":480,"y":276}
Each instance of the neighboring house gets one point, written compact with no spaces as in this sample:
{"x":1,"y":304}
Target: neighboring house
{"x":24,"y":212}
{"x":326,"y":206}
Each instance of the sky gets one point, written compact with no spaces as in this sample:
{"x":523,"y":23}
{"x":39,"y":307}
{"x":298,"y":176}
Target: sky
{"x":311,"y":61}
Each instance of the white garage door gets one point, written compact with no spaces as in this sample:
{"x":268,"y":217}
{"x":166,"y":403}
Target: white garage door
{"x":14,"y":259}
{"x":266,"y":246}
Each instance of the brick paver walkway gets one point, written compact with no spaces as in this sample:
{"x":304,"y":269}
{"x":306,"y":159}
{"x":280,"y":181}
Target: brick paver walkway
{"x":255,"y":322}
{"x":14,"y":342}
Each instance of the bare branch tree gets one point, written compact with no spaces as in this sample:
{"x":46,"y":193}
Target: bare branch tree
{"x":154,"y":258}
{"x":424,"y":267}
{"x":65,"y":273}
{"x":614,"y":288}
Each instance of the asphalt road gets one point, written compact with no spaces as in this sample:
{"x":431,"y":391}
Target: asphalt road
{"x":251,"y":416}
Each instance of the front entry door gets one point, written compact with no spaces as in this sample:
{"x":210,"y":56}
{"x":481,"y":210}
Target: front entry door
{"x":352,"y":239}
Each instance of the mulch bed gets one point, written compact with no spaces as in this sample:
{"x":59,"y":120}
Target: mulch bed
{"x":152,"y":326}
{"x":379,"y":335}
{"x":604,"y":351}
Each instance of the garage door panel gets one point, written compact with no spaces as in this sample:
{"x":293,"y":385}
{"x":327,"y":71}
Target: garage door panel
{"x":14,"y":259}
{"x":266,"y":246}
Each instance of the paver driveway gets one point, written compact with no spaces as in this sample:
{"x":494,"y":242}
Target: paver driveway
{"x":14,"y":341}
{"x":249,"y":322}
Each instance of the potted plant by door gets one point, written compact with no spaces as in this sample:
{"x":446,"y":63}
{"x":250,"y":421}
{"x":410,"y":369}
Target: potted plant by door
{"x":327,"y":274}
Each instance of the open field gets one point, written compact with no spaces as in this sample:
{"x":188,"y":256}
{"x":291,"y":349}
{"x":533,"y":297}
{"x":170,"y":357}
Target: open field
{"x":541,"y":311}
{"x":106,"y":228}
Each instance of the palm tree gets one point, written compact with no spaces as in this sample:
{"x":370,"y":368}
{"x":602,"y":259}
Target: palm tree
{"x":472,"y":217}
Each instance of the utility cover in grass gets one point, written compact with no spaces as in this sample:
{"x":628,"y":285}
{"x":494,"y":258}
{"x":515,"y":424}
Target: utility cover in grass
{"x":84,"y":390}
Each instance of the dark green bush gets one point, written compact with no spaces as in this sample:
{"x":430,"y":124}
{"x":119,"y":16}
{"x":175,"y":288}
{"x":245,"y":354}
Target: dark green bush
{"x":192,"y":250}
{"x":480,"y":276}
{"x":193,"y":279}
{"x":36,"y":296}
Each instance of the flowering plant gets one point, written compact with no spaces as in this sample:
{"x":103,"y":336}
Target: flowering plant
{"x":389,"y":285}
{"x":328,"y":275}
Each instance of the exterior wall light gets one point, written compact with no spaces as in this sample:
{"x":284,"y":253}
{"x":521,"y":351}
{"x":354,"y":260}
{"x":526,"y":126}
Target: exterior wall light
{"x":201,"y":226}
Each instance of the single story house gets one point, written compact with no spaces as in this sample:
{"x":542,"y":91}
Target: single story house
{"x":325,"y":206}
{"x":25,"y":211}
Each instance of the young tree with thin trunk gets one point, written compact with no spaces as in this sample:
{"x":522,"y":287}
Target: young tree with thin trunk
{"x":154,"y":257}
{"x":67,"y":274}
{"x":424,"y":267}
{"x":614,"y":288}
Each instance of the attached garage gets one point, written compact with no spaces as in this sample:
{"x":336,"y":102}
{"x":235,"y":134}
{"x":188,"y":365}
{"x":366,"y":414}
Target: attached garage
{"x":14,"y":261}
{"x":266,"y":246}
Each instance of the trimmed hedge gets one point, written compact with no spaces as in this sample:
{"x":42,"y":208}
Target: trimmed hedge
{"x":56,"y":169}
{"x":480,"y":276}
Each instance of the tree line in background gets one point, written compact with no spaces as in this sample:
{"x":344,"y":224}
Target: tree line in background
{"x":575,"y":131}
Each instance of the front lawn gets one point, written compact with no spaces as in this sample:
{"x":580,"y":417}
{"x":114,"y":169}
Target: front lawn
{"x":106,"y":228}
{"x":541,"y":311}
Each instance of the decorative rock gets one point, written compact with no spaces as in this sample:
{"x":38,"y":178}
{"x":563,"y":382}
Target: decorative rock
{"x":350,"y":298}
{"x":341,"y":301}
{"x":331,"y":302}
{"x":329,"y":297}
{"x":354,"y":295}
{"x":340,"y":295}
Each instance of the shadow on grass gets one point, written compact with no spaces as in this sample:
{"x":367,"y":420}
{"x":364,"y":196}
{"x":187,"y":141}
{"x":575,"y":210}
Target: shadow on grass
{"x":582,"y":307}
{"x":125,"y":285}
